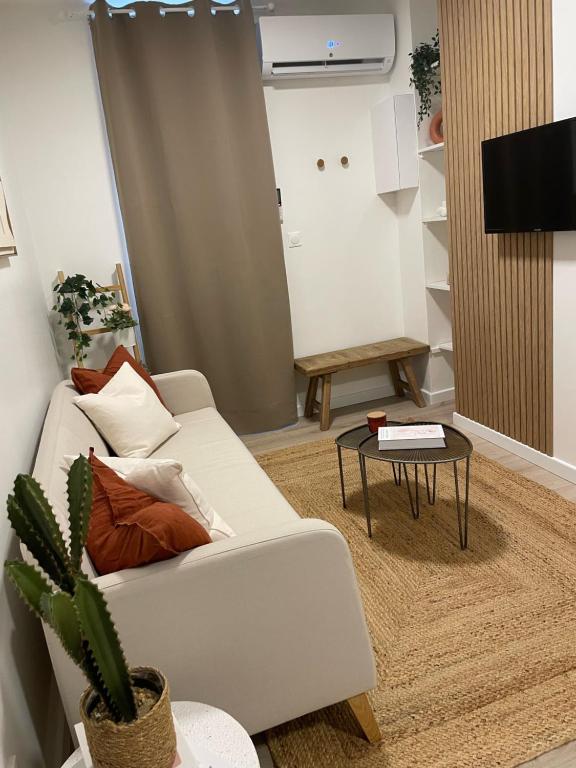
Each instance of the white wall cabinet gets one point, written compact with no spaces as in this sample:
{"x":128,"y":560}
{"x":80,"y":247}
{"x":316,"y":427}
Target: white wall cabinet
{"x":395,"y":143}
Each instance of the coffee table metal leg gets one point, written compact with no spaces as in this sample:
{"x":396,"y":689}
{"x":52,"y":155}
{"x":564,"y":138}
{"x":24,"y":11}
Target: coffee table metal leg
{"x":467,"y":496}
{"x":414,"y":508}
{"x":431,"y":497}
{"x":417,"y":491}
{"x":462,"y":525}
{"x":365,"y":491}
{"x":397,"y":475}
{"x":341,"y":476}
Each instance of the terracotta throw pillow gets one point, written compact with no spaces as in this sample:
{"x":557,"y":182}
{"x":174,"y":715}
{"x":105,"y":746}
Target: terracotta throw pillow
{"x":129,"y":528}
{"x":89,"y":382}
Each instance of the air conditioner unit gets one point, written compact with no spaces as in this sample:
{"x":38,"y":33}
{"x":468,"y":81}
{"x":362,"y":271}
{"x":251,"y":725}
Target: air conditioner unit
{"x":313,"y":46}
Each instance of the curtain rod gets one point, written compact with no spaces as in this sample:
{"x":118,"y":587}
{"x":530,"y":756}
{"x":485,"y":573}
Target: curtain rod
{"x":163,"y":11}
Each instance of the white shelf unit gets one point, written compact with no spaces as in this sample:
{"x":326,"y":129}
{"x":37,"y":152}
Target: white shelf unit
{"x":395,"y":144}
{"x":445,"y":346}
{"x":441,"y":285}
{"x":432,"y":148}
{"x":437,"y":297}
{"x":434,"y":219}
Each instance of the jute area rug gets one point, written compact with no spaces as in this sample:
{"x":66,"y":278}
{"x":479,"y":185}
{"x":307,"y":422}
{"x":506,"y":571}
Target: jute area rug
{"x":476,"y":650}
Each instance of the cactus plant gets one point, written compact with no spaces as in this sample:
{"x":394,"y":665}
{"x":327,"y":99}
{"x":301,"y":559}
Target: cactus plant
{"x":62,"y":595}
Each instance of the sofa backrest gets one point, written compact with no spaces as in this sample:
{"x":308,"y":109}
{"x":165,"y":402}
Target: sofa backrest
{"x":66,"y":432}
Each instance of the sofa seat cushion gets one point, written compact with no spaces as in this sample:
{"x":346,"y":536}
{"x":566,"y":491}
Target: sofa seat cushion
{"x":227,"y":473}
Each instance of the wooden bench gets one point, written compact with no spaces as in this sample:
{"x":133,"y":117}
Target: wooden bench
{"x":395,"y":352}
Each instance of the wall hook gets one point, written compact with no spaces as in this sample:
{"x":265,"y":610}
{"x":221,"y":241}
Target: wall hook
{"x":345,"y":161}
{"x":320,"y":164}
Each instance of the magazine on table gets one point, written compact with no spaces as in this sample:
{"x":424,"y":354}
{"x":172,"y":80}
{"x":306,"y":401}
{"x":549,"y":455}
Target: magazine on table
{"x":411,"y":437}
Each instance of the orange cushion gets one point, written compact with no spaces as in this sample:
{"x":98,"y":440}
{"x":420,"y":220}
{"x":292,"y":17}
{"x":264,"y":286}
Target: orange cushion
{"x":89,"y":382}
{"x":129,"y":528}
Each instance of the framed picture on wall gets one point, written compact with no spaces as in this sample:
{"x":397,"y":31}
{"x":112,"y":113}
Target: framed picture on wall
{"x":7,"y":244}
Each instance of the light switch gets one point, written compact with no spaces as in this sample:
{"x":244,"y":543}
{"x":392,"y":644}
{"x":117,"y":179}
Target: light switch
{"x":294,"y":239}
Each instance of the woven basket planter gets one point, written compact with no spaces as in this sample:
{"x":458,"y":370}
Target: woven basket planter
{"x":149,"y":742}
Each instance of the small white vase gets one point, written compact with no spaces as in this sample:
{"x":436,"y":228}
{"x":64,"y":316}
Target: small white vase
{"x":125,"y":337}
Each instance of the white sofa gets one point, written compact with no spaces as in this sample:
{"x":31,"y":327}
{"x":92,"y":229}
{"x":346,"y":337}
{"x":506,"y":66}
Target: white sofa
{"x":267,"y":625}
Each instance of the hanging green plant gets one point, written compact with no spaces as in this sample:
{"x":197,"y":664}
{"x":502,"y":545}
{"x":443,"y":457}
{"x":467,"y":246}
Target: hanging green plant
{"x":425,"y":74}
{"x":119,"y":318}
{"x":77,"y":299}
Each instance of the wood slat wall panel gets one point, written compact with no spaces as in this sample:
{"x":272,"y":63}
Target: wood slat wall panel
{"x":497,"y":78}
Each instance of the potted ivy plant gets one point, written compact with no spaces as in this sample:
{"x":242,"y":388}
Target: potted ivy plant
{"x":126,"y":712}
{"x":76,"y":298}
{"x":425,"y":74}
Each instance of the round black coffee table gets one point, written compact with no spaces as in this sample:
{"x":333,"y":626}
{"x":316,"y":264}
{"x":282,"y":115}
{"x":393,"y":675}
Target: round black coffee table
{"x":458,"y":448}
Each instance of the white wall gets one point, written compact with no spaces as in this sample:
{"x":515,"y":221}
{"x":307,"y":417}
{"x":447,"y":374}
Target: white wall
{"x":55,"y":139}
{"x":28,"y":373}
{"x":55,"y":166}
{"x":344,"y":281}
{"x":564,"y":314}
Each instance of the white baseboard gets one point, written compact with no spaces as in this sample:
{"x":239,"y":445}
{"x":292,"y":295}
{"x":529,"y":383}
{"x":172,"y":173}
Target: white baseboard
{"x":556,"y":466}
{"x":352,"y":398}
{"x":376,"y":393}
{"x":440,"y":396}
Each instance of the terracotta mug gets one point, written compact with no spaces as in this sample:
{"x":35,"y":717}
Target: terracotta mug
{"x":376,"y":419}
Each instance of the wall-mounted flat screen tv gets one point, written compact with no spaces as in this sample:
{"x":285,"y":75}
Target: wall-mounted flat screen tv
{"x":530,"y":179}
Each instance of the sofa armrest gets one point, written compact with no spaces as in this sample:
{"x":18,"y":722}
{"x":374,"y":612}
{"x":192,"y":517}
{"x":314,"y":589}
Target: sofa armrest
{"x":267,"y":626}
{"x":184,"y":391}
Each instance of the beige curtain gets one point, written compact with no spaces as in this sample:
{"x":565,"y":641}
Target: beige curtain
{"x":187,"y":127}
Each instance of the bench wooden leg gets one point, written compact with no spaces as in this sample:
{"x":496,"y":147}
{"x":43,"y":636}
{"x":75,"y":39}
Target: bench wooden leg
{"x":412,"y":383}
{"x":311,"y":396}
{"x":396,"y":381}
{"x":362,"y":709}
{"x":325,"y":407}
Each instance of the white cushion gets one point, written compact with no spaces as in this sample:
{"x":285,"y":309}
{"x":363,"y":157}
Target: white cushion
{"x":129,"y":415}
{"x":166,"y":480}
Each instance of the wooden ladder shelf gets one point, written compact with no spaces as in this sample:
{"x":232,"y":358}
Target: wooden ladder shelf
{"x":118,"y":287}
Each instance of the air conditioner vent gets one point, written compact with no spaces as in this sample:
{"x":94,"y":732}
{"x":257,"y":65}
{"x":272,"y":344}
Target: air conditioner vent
{"x":326,"y":63}
{"x":312,"y":46}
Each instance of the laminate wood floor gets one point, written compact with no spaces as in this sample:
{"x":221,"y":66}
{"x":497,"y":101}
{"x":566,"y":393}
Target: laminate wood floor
{"x":307,"y":430}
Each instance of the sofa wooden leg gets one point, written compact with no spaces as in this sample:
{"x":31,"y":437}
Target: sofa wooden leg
{"x":362,"y":709}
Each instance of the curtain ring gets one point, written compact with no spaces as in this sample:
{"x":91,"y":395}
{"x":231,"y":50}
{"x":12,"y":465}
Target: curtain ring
{"x":190,"y":12}
{"x":130,"y":12}
{"x":215,"y":9}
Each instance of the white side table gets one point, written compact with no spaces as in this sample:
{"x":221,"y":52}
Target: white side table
{"x":210,"y":729}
